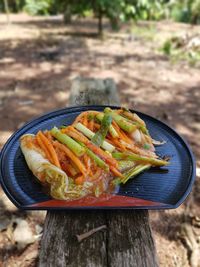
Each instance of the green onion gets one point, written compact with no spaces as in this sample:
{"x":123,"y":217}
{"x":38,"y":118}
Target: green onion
{"x":105,"y":145}
{"x":136,"y":157}
{"x":146,"y":146}
{"x":134,"y":171}
{"x":94,"y":157}
{"x":121,"y":121}
{"x":100,"y":135}
{"x":112,"y":130}
{"x":125,"y":165}
{"x":63,"y":126}
{"x":97,"y":160}
{"x":68,"y":141}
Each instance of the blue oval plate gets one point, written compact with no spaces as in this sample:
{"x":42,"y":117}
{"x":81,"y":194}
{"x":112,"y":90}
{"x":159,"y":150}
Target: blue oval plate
{"x":162,"y":188}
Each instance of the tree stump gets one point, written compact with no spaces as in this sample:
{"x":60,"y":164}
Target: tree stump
{"x":127,"y":239}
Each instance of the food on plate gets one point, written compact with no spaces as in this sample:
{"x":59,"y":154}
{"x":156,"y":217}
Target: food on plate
{"x":93,"y":155}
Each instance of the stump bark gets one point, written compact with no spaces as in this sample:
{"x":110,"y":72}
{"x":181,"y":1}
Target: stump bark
{"x":127,"y":240}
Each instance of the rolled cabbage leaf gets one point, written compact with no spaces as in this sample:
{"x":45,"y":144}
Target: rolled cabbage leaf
{"x":43,"y":169}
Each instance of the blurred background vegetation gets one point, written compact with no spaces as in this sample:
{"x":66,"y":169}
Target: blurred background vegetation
{"x":117,"y":11}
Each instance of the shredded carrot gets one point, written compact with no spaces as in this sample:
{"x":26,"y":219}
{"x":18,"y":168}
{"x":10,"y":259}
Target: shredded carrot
{"x":80,"y":116}
{"x":73,"y":169}
{"x":105,"y":156}
{"x":86,"y":160}
{"x":97,"y":126}
{"x":49,"y":136}
{"x":125,"y":137}
{"x":91,"y":125}
{"x":71,"y":131}
{"x":97,"y":174}
{"x":43,"y":147}
{"x":117,"y":143}
{"x":121,"y":133}
{"x":67,"y":167}
{"x":79,"y":180}
{"x":50,"y":148}
{"x":115,"y":171}
{"x":85,"y":120}
{"x":116,"y":127}
{"x":72,"y":156}
{"x":119,"y":111}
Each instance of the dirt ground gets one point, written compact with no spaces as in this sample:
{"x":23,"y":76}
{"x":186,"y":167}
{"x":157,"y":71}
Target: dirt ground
{"x":39,"y":57}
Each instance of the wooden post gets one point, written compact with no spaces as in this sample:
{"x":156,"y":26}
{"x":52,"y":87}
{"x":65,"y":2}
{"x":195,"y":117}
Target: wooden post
{"x":127,"y":240}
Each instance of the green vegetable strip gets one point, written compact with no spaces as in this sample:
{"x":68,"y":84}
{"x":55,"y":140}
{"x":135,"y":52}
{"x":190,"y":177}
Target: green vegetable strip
{"x":139,"y":122}
{"x":87,"y":132}
{"x":134,"y":171}
{"x":68,"y":141}
{"x":111,"y":128}
{"x":96,"y":159}
{"x":121,"y":121}
{"x":105,"y":145}
{"x":132,"y":116}
{"x":136,"y":157}
{"x":100,"y":135}
{"x":125,"y":165}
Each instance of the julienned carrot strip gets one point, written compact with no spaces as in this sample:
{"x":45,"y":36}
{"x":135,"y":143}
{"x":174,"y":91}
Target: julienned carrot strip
{"x":97,"y":126}
{"x":73,"y":169}
{"x":86,"y":161}
{"x":79,"y":180}
{"x":43,"y":147}
{"x":116,"y":127}
{"x":50,"y":148}
{"x":118,"y":111}
{"x":118,"y":144}
{"x":91,"y":125}
{"x":49,"y":136}
{"x":72,"y":132}
{"x":116,"y":172}
{"x":66,"y":166}
{"x":79,"y":117}
{"x":96,"y":174}
{"x":94,"y":112}
{"x":121,"y":133}
{"x":85,"y":120}
{"x":98,"y":151}
{"x":72,"y":156}
{"x":125,"y":137}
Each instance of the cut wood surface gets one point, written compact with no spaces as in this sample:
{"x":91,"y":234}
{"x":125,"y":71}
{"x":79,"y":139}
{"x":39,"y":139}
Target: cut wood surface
{"x":125,"y":241}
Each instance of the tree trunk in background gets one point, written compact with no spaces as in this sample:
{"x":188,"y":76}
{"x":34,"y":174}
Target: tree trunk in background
{"x":67,"y":15}
{"x":115,"y":23}
{"x":7,"y":11}
{"x":100,"y":25}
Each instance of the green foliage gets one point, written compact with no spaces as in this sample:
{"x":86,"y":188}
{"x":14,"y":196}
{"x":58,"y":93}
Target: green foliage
{"x":167,"y":47}
{"x":181,"y":49}
{"x":37,"y":7}
{"x":185,"y":10}
{"x":116,"y":10}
